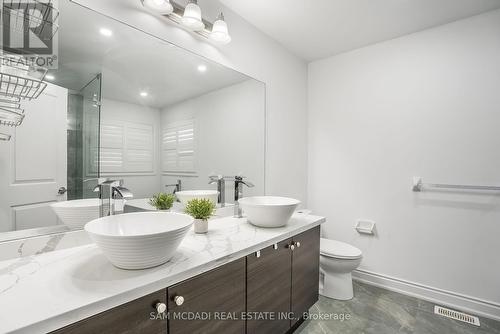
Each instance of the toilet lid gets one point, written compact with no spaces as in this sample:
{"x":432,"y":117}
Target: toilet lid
{"x":338,"y":249}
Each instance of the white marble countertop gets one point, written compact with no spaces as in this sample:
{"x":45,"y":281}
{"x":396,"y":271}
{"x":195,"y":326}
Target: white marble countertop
{"x":44,"y":292}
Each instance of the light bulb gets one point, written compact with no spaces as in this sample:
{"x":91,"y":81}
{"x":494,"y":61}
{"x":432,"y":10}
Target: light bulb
{"x":192,"y":16}
{"x":106,"y":32}
{"x":163,"y":7}
{"x":220,"y":32}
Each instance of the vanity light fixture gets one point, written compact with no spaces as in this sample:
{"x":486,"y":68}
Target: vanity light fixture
{"x":220,"y":33}
{"x":163,"y":7}
{"x":106,"y":32}
{"x":202,"y":68}
{"x":190,"y":18}
{"x":144,"y":94}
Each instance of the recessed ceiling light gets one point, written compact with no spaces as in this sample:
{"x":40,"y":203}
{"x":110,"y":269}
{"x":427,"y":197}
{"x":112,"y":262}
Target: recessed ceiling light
{"x":106,"y":32}
{"x":144,"y":94}
{"x":202,"y":68}
{"x":50,"y":77}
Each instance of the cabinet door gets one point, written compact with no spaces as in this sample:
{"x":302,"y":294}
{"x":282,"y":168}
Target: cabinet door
{"x":305,"y":271}
{"x":213,"y":302}
{"x":138,"y":316}
{"x":269,"y":283}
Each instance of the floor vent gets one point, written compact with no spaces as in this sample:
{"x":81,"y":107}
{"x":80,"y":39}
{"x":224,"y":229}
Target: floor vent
{"x":470,"y":319}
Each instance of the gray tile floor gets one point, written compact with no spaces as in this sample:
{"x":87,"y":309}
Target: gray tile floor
{"x":378,"y":311}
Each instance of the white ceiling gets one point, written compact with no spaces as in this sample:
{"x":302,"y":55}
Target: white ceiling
{"x":131,"y":61}
{"x":315,"y":29}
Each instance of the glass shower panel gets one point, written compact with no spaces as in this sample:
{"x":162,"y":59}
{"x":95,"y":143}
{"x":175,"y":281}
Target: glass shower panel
{"x":75,"y":144}
{"x":83,"y":140}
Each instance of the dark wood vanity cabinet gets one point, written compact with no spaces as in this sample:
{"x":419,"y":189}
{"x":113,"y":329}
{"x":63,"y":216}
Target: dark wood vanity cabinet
{"x":237,"y":298}
{"x":130,"y":318}
{"x":218,"y":294}
{"x":305,"y":272}
{"x":268,"y":289}
{"x":284,"y":281}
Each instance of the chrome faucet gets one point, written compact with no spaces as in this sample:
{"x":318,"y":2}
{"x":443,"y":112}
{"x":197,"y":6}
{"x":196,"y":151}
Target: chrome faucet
{"x":178,"y":186}
{"x":238,"y":193}
{"x":111,"y":190}
{"x":122,"y":193}
{"x":221,"y":188}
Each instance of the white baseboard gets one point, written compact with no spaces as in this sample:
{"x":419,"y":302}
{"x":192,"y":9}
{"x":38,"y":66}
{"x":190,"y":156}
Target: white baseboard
{"x":457,"y":301}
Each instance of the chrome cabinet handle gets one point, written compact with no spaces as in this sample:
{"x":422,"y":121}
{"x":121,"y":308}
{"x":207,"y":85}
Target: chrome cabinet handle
{"x":292,"y":247}
{"x":160,"y":307}
{"x":297,"y":244}
{"x":178,"y":300}
{"x":62,"y":191}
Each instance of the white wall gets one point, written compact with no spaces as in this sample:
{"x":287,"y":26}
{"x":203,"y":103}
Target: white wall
{"x":254,"y":54}
{"x":143,"y":185}
{"x":422,"y":105}
{"x":229,"y":132}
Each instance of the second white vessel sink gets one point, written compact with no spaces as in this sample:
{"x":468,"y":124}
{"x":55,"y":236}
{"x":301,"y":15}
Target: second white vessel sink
{"x":187,"y":195}
{"x":77,"y":213}
{"x":268,"y":211}
{"x":143,"y":205}
{"x":139,"y":240}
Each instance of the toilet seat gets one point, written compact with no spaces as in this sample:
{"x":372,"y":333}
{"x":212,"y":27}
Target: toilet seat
{"x":339,"y":250}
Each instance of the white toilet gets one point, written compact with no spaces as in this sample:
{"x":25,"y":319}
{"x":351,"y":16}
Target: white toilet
{"x":337,"y":261}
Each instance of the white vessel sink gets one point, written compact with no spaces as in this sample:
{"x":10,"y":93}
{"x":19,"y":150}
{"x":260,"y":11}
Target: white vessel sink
{"x":75,"y":214}
{"x":142,"y":205}
{"x":187,"y":195}
{"x":268,"y":211}
{"x":139,"y":240}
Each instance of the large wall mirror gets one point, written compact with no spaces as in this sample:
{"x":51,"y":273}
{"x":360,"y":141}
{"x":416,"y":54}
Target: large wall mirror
{"x":128,"y":106}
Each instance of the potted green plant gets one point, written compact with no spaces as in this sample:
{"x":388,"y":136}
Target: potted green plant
{"x":200,"y":209}
{"x":162,"y":201}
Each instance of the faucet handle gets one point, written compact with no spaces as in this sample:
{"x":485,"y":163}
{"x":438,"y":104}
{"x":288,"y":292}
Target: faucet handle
{"x":100,"y":180}
{"x":215,"y":178}
{"x":111,"y":183}
{"x":239,"y":179}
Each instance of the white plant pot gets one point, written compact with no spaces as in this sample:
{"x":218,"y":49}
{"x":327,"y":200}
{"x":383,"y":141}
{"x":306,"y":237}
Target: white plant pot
{"x":200,"y":226}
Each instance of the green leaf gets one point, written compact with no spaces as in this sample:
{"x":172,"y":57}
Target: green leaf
{"x":162,"y":201}
{"x":199,"y":208}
